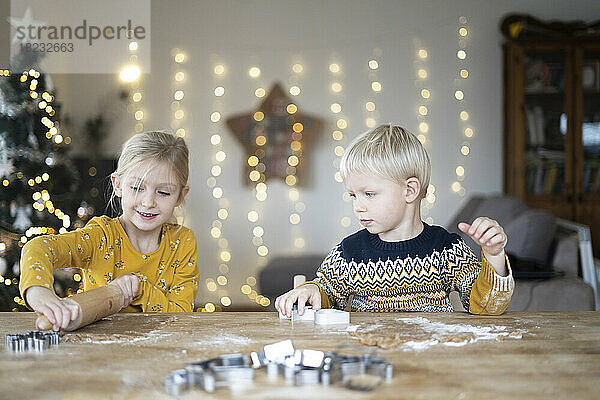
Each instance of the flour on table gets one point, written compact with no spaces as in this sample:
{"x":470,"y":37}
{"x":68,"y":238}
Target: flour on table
{"x":137,"y":337}
{"x":418,"y":333}
{"x":98,"y":338}
{"x":222,"y":339}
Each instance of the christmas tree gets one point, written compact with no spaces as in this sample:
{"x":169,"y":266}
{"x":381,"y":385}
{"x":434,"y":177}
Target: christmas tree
{"x":38,"y":181}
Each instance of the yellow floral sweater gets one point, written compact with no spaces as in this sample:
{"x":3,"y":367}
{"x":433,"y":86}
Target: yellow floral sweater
{"x":168,"y":276}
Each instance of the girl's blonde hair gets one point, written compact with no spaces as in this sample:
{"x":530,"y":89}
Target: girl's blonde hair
{"x":388,"y":151}
{"x":154,"y":147}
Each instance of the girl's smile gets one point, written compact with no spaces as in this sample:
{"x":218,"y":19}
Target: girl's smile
{"x":149,"y":194}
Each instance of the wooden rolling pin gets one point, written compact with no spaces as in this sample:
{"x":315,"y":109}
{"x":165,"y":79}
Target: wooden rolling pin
{"x":93,"y":305}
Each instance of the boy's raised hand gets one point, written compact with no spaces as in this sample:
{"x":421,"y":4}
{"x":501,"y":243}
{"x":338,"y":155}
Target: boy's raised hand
{"x":492,"y":239}
{"x":44,"y":301}
{"x":488,"y":233}
{"x":305,"y":294}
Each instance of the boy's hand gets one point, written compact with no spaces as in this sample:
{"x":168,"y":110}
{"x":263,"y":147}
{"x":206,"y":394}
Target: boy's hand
{"x":488,"y":233}
{"x":305,"y":294}
{"x":59,"y":312}
{"x":492,"y":239}
{"x":129,"y":284}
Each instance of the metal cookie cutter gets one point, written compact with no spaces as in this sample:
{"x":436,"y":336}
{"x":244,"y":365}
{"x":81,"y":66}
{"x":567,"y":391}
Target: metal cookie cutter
{"x":37,"y":341}
{"x":226,"y":370}
{"x":304,"y":367}
{"x":177,"y":382}
{"x":272,"y":355}
{"x":308,"y":315}
{"x":360,"y":372}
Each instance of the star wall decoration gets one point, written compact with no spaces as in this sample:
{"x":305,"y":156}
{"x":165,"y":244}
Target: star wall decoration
{"x":277,"y":138}
{"x":24,"y":23}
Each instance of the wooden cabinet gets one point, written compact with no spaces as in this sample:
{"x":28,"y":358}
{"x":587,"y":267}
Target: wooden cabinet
{"x":552,"y":126}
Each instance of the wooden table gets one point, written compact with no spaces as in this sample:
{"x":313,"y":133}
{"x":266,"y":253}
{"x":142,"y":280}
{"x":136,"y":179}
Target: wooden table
{"x":129,"y":356}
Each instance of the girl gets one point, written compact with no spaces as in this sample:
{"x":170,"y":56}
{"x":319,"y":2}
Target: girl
{"x":152,"y":261}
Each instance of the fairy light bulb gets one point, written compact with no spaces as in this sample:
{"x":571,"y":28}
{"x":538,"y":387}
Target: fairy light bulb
{"x":219,"y":69}
{"x":297,"y":68}
{"x":254,"y":72}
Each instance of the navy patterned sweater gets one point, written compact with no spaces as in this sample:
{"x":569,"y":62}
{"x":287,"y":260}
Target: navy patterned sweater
{"x":412,"y":275}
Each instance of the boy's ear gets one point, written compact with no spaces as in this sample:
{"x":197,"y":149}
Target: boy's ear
{"x":413,"y":188}
{"x":116,"y":182}
{"x":182,"y":195}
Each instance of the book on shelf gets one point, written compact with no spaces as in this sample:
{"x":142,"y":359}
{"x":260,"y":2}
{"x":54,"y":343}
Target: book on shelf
{"x":535,"y":125}
{"x":550,"y":179}
{"x":538,"y":114}
{"x":538,"y":185}
{"x":591,"y":176}
{"x":554,"y":155}
{"x":544,"y":172}
{"x":531,"y":132}
{"x":587,"y":179}
{"x":595,"y":187}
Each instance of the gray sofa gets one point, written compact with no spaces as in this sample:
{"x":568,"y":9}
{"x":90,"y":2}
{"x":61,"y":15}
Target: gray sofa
{"x":536,"y":239}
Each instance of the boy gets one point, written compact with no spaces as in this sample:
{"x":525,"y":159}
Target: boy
{"x":399,"y":263}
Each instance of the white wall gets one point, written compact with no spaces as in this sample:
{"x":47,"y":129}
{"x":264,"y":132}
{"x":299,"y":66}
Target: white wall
{"x":275,"y":34}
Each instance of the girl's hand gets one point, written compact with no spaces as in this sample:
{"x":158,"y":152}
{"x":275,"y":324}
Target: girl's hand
{"x":308,"y":293}
{"x":129,"y":285}
{"x":58,"y":311}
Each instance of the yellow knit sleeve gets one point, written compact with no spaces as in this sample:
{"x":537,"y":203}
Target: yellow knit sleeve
{"x":179,"y":294}
{"x":43,"y":254}
{"x":491,"y":293}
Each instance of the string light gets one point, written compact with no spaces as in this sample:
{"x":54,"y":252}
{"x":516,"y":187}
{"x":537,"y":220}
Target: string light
{"x":460,"y":97}
{"x":423,"y":116}
{"x":338,"y":133}
{"x":293,"y":160}
{"x":260,"y":190}
{"x":177,"y":110}
{"x":131,"y":74}
{"x":216,"y":230}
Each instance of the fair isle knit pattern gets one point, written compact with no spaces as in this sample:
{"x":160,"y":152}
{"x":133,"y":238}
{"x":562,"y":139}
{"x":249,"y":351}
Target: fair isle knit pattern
{"x":413,"y":275}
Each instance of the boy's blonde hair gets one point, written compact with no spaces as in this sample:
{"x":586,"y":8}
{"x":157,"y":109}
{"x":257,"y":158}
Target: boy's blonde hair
{"x":155,"y":147}
{"x":390,"y":152}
